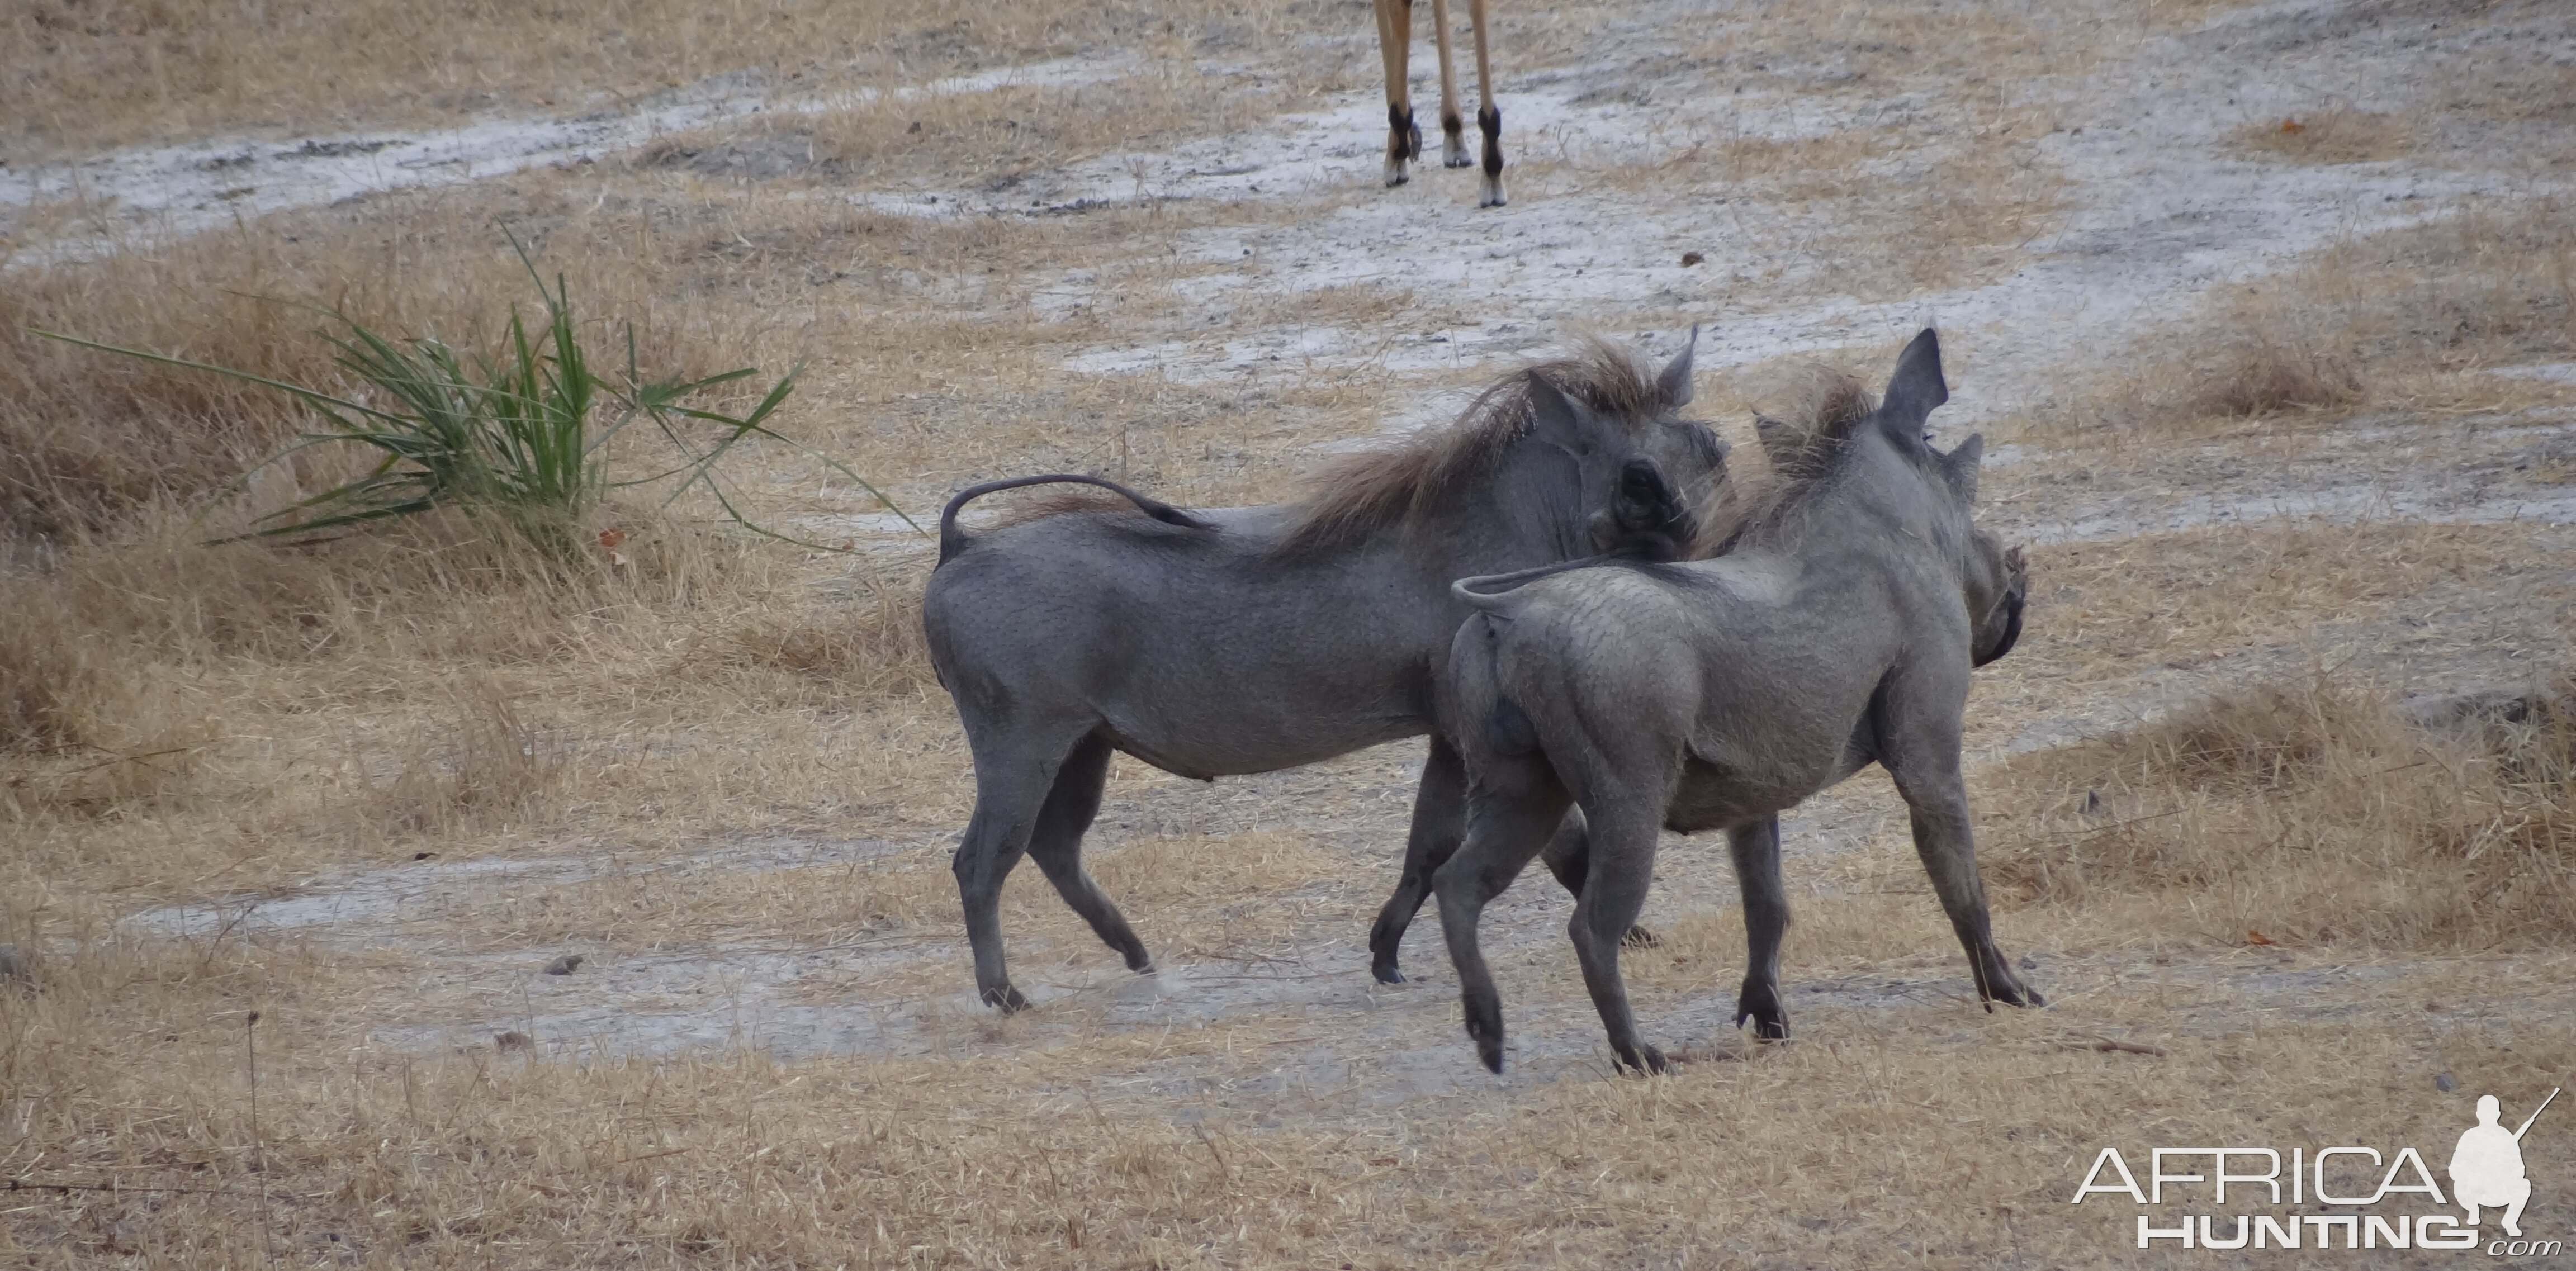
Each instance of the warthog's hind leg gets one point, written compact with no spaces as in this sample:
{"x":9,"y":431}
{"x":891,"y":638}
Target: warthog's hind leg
{"x":1506,"y":826}
{"x":1569,"y":857}
{"x":1614,"y":893}
{"x":1766,"y":918}
{"x":1439,"y":820}
{"x":1439,"y":817}
{"x":1015,"y":769}
{"x":1056,"y":846}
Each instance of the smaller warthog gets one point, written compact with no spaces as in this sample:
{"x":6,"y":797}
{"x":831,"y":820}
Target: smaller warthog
{"x":1836,"y":631}
{"x":1238,"y":640}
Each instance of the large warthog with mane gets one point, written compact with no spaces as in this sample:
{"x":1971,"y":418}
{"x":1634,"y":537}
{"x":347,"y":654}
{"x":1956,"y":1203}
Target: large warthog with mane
{"x":1240,"y":640}
{"x":1837,"y":630}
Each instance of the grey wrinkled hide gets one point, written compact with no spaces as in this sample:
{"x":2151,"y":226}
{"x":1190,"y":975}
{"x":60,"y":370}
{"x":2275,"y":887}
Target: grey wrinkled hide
{"x":1838,"y":631}
{"x":1235,"y":640}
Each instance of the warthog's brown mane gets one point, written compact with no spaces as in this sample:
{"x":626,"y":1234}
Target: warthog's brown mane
{"x":1376,"y":489}
{"x":1799,"y":447}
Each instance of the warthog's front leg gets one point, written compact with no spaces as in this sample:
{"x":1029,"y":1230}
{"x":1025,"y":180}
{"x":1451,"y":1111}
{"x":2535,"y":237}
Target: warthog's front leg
{"x":1506,"y":826}
{"x":1939,"y":804}
{"x":1766,"y":918}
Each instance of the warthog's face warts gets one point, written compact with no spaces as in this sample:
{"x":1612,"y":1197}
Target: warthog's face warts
{"x":1995,"y":601}
{"x":1643,"y":481}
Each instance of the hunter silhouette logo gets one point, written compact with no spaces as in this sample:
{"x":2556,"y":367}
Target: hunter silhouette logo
{"x":2223,"y":1194}
{"x":2486,"y":1167}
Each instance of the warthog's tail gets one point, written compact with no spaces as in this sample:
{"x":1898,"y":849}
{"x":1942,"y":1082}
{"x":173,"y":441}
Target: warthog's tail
{"x":952,"y":539}
{"x":1488,"y":592}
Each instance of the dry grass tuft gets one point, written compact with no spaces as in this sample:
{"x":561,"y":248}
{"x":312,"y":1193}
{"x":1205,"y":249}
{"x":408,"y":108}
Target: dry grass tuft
{"x":870,"y":647}
{"x":2272,"y":379}
{"x":2407,"y":319}
{"x":89,"y":76}
{"x":484,"y":765}
{"x":2336,"y":135}
{"x":2307,"y":813}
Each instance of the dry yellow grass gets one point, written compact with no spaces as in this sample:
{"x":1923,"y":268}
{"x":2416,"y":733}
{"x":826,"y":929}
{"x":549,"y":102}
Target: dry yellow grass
{"x":1877,"y":1146}
{"x":87,"y":78}
{"x":2307,"y":815}
{"x":2406,"y":320}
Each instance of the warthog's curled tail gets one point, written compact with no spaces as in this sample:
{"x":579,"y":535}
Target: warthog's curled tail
{"x":952,"y":539}
{"x":1490,"y":593}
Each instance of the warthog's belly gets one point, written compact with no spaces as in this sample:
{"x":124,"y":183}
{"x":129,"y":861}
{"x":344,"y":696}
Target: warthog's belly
{"x":1710,"y":797}
{"x":1237,"y":753}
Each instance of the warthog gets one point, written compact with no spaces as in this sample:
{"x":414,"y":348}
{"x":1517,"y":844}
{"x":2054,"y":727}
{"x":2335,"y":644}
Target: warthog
{"x":1240,"y":640}
{"x":1837,"y":630}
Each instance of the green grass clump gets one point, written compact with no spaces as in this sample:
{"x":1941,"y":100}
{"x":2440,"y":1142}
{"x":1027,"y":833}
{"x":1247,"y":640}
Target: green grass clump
{"x":520,"y":433}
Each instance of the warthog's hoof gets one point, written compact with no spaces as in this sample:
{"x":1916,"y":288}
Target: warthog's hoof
{"x":1486,"y":1029}
{"x":1639,"y":938}
{"x":1386,"y":973}
{"x":1759,"y":1001}
{"x":1645,"y":1061}
{"x":1007,"y":999}
{"x":2013,"y":995}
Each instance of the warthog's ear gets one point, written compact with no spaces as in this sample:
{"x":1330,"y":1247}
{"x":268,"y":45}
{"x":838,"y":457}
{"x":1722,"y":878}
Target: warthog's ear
{"x":1915,"y":389}
{"x":1559,"y":421}
{"x":1960,"y":466}
{"x":1674,"y":385}
{"x":1778,"y":439}
{"x":1711,"y":447}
